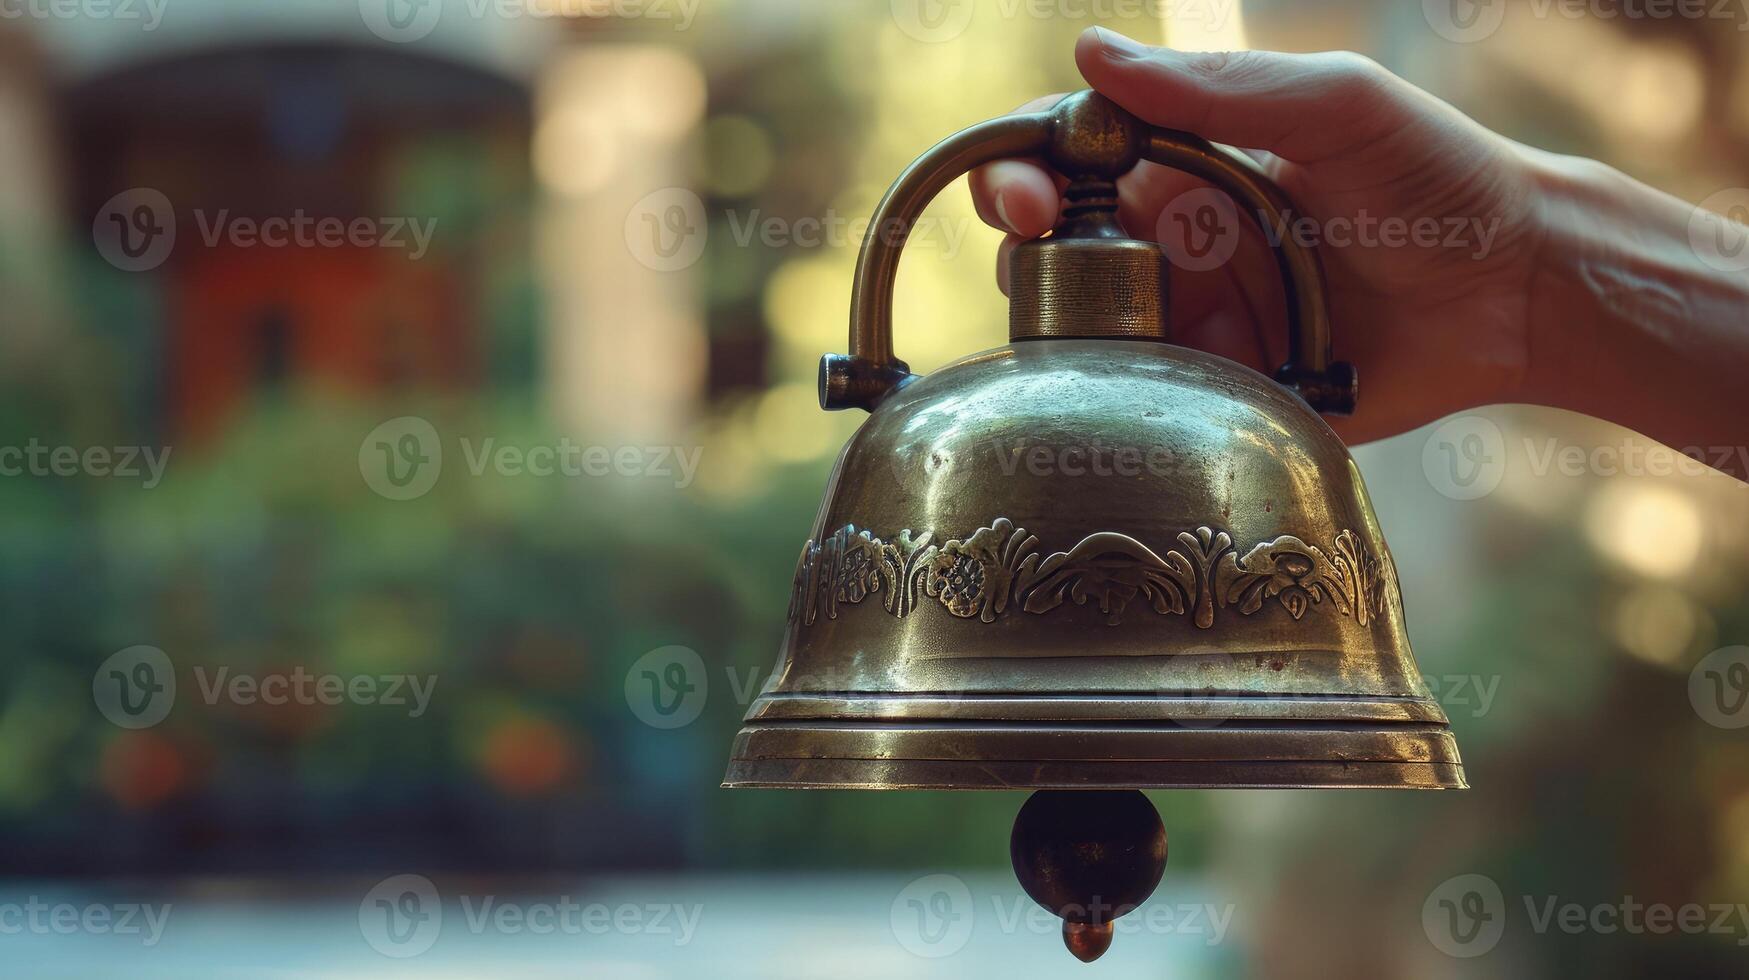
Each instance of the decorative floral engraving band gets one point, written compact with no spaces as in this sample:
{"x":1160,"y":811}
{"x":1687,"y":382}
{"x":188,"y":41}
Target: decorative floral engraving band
{"x":999,"y":566}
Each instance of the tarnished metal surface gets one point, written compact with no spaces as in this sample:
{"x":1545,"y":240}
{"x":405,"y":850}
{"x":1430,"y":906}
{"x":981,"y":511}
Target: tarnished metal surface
{"x":1268,"y":653}
{"x":1077,"y":287}
{"x":1089,"y":557}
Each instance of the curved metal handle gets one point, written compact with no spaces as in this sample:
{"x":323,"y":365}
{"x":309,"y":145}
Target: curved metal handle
{"x":1086,"y":137}
{"x":1328,"y":386}
{"x":872,"y":371}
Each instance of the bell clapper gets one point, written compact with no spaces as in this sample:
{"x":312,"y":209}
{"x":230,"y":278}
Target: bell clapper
{"x":1089,"y":856}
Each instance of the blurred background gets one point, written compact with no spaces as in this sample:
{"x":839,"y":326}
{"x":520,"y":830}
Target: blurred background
{"x":305,"y":271}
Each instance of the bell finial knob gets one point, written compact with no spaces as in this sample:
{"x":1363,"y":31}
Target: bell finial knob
{"x":1093,"y":138}
{"x":1089,"y":856}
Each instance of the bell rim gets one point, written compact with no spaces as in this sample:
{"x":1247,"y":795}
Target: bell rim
{"x":1165,"y":707}
{"x":1023,"y":775}
{"x":971,"y":755}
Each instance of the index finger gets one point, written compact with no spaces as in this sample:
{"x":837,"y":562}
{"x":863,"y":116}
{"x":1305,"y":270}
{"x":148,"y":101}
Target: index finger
{"x":1019,"y":196}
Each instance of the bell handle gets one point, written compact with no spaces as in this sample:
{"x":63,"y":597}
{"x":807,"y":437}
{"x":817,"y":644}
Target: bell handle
{"x":1086,"y":137}
{"x":1328,"y":386}
{"x":872,"y":371}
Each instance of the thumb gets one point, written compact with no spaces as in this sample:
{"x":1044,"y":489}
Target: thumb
{"x":1303,"y":107}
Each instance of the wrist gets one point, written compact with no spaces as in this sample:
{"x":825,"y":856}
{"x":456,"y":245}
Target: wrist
{"x":1583,"y":284}
{"x":1627,"y":319}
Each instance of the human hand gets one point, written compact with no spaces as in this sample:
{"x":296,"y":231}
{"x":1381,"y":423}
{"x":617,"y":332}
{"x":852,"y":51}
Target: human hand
{"x":1426,"y":222}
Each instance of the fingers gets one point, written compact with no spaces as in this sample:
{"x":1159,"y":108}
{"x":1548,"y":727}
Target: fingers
{"x":1018,"y":196}
{"x":1304,"y":107}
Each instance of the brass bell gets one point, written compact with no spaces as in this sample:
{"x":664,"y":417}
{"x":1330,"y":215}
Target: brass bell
{"x":1090,"y":559}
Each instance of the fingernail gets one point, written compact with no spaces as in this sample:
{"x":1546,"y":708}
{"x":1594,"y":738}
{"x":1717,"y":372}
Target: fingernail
{"x":1002,"y":214}
{"x":1116,"y":44}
